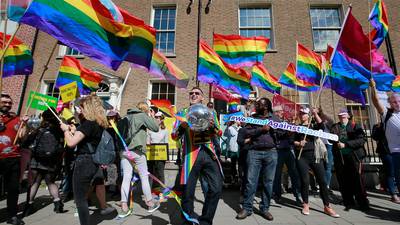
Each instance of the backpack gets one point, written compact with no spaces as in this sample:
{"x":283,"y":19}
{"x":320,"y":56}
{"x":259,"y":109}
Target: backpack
{"x":379,"y":134}
{"x":104,"y":154}
{"x":46,"y":144}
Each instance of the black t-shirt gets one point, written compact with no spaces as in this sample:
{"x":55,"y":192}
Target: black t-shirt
{"x":92,"y":132}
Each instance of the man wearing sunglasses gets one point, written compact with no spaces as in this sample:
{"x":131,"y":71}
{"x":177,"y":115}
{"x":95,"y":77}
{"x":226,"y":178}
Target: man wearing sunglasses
{"x":199,"y":158}
{"x":10,"y":155}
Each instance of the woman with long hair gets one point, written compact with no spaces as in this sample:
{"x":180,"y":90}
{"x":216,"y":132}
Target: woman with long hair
{"x":92,"y":125}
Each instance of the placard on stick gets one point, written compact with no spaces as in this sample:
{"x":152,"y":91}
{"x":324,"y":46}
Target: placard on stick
{"x":38,"y":98}
{"x":69,"y":92}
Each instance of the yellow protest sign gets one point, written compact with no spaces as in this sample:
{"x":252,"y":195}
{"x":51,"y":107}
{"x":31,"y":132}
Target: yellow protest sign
{"x":157,"y":152}
{"x":69,"y":92}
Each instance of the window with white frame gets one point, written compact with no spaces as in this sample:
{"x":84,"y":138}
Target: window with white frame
{"x":256,"y":22}
{"x":163,"y":90}
{"x":325,"y":24}
{"x":11,"y":25}
{"x":49,"y":89}
{"x":164,"y":22}
{"x":65,"y":50}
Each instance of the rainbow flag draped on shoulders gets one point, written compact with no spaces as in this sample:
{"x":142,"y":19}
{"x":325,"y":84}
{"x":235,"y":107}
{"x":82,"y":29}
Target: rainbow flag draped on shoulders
{"x":379,"y":20}
{"x":71,"y":70}
{"x":289,"y":79}
{"x":163,"y":68}
{"x":16,"y":8}
{"x":308,"y":65}
{"x":17,"y":58}
{"x":262,"y":78}
{"x":240,"y":51}
{"x":89,"y":27}
{"x":214,"y":70}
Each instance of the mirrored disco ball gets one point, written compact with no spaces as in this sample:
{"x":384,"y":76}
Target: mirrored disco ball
{"x":34,"y":122}
{"x":199,"y":117}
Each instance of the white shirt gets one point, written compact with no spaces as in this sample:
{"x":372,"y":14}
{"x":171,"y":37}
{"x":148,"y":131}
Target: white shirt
{"x":159,"y":137}
{"x":392,"y":131}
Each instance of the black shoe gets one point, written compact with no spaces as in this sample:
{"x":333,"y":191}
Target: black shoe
{"x":28,"y":210}
{"x":58,"y":207}
{"x":299,"y":202}
{"x":242,"y":214}
{"x":267,"y":216}
{"x":15,"y":221}
{"x":365,"y":208}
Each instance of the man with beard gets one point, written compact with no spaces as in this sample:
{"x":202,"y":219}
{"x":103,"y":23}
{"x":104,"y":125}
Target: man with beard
{"x":10,"y":155}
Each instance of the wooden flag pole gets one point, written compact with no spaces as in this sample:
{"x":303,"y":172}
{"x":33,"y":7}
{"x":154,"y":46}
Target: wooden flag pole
{"x":55,"y":114}
{"x":45,"y":68}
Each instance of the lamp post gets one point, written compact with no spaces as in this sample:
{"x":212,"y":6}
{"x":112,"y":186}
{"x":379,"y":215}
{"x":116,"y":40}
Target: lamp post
{"x":188,"y":11}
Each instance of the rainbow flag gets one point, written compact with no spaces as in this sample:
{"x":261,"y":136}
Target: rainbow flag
{"x":214,"y":70}
{"x":396,"y":84}
{"x":164,"y":105}
{"x":233,"y":104}
{"x":71,"y":70}
{"x":262,"y":78}
{"x":289,"y":79}
{"x":17,"y":58}
{"x":163,"y":68}
{"x":16,"y":9}
{"x":379,"y":20}
{"x":89,"y":27}
{"x":240,"y":51}
{"x":308,"y":65}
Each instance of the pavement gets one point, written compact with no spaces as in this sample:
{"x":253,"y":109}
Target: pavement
{"x":383,"y":211}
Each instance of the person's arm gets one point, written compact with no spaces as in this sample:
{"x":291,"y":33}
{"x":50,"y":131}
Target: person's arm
{"x":374,"y":97}
{"x":71,"y":139}
{"x":150,"y":123}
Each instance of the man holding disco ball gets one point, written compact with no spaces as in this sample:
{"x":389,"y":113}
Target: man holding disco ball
{"x":195,"y":132}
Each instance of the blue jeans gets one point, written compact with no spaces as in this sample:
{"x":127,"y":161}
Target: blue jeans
{"x":396,"y":167}
{"x":286,"y":156}
{"x":329,"y":165}
{"x":263,"y":162}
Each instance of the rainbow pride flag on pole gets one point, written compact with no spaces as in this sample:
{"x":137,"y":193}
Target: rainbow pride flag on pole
{"x":17,"y":59}
{"x":17,"y":8}
{"x":214,"y":70}
{"x":89,"y":27}
{"x":308,"y":65}
{"x":379,"y":20}
{"x":163,"y":68}
{"x":71,"y":70}
{"x":240,"y":51}
{"x":396,"y":84}
{"x":262,"y":78}
{"x":289,"y":79}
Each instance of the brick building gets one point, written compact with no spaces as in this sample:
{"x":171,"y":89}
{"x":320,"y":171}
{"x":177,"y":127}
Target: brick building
{"x":311,"y":22}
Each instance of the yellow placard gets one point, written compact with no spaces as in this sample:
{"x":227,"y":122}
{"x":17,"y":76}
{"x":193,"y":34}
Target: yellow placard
{"x":69,"y":92}
{"x":169,"y":124}
{"x":157,"y":152}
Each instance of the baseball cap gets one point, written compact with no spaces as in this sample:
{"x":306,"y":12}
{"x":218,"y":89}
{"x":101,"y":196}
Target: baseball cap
{"x":277,"y":108}
{"x":305,"y":110}
{"x":343,"y":112}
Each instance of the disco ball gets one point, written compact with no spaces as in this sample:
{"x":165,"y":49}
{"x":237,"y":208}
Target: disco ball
{"x":34,"y":122}
{"x":199,"y":117}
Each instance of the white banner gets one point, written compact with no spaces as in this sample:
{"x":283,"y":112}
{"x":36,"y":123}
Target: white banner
{"x":286,"y":126}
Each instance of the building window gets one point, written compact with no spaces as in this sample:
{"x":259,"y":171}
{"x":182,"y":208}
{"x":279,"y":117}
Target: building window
{"x":256,"y":22}
{"x":325,"y":24}
{"x":65,"y":50}
{"x":49,"y":89}
{"x":300,"y":97}
{"x":164,"y":21}
{"x":162,"y":90}
{"x":11,"y":25}
{"x":360,"y":113}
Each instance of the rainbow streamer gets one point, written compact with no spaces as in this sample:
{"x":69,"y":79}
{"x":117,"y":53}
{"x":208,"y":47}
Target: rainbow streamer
{"x":129,"y":156}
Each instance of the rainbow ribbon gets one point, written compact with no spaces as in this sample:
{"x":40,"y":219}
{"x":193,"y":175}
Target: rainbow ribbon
{"x":129,"y":156}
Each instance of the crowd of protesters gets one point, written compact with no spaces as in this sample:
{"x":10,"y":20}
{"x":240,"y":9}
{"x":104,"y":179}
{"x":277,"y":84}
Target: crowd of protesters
{"x":257,"y":155}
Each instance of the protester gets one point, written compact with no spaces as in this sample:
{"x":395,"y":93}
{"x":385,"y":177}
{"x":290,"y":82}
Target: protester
{"x":134,"y":127}
{"x":199,"y":157}
{"x":285,"y":156}
{"x":261,"y":159}
{"x":10,"y":155}
{"x":309,"y":161}
{"x":328,"y":123}
{"x":231,"y":134}
{"x":161,"y":137}
{"x":89,"y":132}
{"x":46,"y":144}
{"x":391,"y":129}
{"x":348,"y":154}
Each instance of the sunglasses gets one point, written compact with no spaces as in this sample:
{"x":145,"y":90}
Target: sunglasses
{"x":194,"y":93}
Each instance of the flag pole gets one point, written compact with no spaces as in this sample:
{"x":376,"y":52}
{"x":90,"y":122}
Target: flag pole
{"x":45,"y":68}
{"x":123,"y":88}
